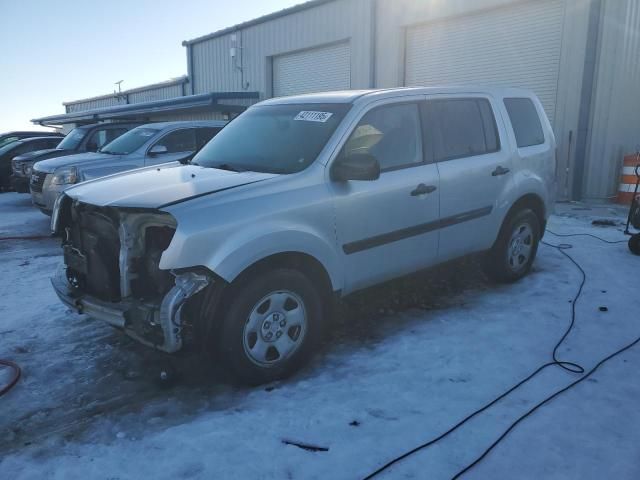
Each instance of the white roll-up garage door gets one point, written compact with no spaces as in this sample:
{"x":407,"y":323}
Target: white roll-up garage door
{"x":316,"y":70}
{"x":515,"y":46}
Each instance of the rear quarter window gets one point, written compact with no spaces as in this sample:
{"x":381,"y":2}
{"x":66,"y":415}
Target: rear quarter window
{"x":525,"y":121}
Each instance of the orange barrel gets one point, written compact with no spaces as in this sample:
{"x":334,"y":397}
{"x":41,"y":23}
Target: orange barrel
{"x":628,"y":178}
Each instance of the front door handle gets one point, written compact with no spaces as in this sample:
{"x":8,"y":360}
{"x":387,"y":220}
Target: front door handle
{"x":500,"y":170}
{"x":423,"y":189}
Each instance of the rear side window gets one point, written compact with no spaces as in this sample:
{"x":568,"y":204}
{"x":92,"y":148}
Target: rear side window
{"x":462,"y":128}
{"x":525,"y":121}
{"x":203,"y":135}
{"x":183,"y":140}
{"x":50,"y":143}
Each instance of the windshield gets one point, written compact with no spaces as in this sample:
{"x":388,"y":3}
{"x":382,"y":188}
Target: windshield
{"x":273,"y":138}
{"x":8,"y":140}
{"x":5,"y":148}
{"x":73,"y":139}
{"x":130,"y":141}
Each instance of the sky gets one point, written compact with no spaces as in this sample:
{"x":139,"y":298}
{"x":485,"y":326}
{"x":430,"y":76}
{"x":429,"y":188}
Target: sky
{"x":60,"y":51}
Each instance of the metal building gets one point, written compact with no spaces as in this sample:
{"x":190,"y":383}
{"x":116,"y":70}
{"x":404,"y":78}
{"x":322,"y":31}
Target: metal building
{"x":582,"y":58}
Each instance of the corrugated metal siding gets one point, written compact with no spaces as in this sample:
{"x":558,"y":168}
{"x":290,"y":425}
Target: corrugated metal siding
{"x":161,"y":93}
{"x":187,"y":116}
{"x":615,"y":114}
{"x":140,"y":95}
{"x":215,"y":70}
{"x":316,"y":70}
{"x":95,"y":103}
{"x":519,"y":45}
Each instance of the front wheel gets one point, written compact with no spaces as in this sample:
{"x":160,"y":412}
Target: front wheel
{"x":271,"y":327}
{"x":515,"y":249}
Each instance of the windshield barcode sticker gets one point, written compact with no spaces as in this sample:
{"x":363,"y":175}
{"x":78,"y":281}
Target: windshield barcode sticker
{"x":310,"y":116}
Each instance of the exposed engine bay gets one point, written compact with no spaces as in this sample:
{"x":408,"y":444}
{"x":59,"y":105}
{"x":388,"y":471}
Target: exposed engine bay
{"x":112,"y":272}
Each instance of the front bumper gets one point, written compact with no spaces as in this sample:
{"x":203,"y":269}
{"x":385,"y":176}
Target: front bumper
{"x":46,"y":199}
{"x":155,"y":325}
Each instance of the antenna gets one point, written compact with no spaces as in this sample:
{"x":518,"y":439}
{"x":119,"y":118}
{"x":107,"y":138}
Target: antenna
{"x":119,"y":95}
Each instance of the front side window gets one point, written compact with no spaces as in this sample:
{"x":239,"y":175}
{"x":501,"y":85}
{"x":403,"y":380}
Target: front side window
{"x":183,"y":140}
{"x":391,"y":133}
{"x":284,"y":138}
{"x":48,"y":143}
{"x":462,"y":128}
{"x":130,"y":141}
{"x":525,"y":121}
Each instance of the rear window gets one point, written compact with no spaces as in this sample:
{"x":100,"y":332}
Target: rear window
{"x":465,"y":127}
{"x":525,"y":121}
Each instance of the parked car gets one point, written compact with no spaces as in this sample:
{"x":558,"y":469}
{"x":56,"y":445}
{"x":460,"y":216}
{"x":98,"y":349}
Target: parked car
{"x":18,"y":147}
{"x":145,"y":145}
{"x":9,"y":137}
{"x":87,"y":138}
{"x":301,"y":200}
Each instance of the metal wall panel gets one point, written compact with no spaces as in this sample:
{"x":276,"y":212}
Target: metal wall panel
{"x":90,"y":104}
{"x":518,"y":46}
{"x":214,"y":69}
{"x":161,"y":93}
{"x":615,"y":113}
{"x":150,"y":93}
{"x":173,"y":117}
{"x":315,"y":70}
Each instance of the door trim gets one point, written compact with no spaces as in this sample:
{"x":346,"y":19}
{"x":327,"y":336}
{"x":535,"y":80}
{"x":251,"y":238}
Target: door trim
{"x":403,"y":233}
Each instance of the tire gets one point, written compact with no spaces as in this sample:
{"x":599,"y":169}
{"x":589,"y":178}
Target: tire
{"x":512,"y":255}
{"x":634,"y":244}
{"x":271,"y":326}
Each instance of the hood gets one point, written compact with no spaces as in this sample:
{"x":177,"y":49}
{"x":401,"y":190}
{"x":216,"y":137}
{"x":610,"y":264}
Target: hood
{"x":49,"y":166}
{"x":157,"y":187}
{"x":41,"y":155}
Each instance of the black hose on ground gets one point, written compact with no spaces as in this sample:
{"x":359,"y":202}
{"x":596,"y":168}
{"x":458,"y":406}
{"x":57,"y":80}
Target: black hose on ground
{"x":28,"y":237}
{"x":570,"y":367}
{"x":14,"y":378}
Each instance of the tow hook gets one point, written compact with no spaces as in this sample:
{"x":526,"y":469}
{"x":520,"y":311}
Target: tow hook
{"x":186,"y":285}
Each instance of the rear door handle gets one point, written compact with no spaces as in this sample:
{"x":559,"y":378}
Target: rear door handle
{"x":500,"y":170}
{"x":423,"y":189}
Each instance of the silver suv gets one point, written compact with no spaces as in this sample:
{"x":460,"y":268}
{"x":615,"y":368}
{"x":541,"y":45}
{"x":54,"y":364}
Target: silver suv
{"x":300,"y":200}
{"x":145,"y":145}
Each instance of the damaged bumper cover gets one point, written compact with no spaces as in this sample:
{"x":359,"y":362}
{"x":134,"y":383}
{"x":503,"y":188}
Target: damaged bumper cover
{"x":163,"y":321}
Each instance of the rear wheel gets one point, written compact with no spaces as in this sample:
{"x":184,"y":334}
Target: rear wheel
{"x":634,"y":244}
{"x":511,"y":257}
{"x":271,"y":326}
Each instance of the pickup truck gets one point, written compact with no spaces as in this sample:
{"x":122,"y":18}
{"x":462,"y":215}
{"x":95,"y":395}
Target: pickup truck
{"x":150,"y":144}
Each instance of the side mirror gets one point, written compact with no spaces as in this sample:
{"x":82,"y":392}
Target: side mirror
{"x":92,"y":147}
{"x":158,"y":150}
{"x":357,"y":166}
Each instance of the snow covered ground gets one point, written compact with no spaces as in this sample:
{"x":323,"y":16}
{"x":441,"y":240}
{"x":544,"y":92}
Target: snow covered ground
{"x":406,"y":361}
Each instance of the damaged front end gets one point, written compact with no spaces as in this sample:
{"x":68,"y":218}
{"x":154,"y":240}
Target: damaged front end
{"x":111,"y":270}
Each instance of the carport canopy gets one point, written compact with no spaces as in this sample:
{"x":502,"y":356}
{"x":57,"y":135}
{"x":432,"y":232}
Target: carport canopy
{"x":205,"y":102}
